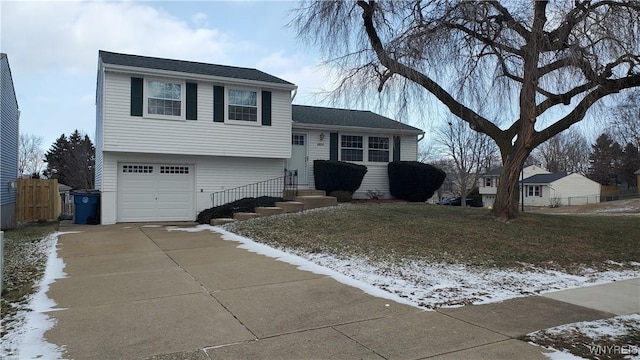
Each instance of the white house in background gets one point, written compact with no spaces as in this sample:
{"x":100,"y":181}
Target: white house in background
{"x":542,"y":188}
{"x":169,"y":133}
{"x":9,"y":135}
{"x":560,"y":190}
{"x":488,"y":183}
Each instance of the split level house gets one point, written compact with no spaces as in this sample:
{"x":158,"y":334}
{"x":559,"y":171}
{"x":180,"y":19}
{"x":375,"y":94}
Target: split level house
{"x":539,"y":187}
{"x":9,"y":135}
{"x":171,"y":133}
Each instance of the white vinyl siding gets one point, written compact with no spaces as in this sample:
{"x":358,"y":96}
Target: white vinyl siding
{"x":377,"y":177}
{"x":125,"y":133}
{"x":575,"y":189}
{"x":211,"y":174}
{"x":99,"y":128}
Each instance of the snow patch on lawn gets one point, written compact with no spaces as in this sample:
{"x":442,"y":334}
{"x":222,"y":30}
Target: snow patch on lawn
{"x":599,"y":337}
{"x":26,"y":341}
{"x":430,"y":285}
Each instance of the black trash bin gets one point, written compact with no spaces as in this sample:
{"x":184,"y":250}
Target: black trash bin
{"x":87,"y":207}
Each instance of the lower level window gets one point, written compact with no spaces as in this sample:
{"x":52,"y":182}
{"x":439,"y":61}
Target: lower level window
{"x":352,"y":148}
{"x":534,"y":190}
{"x":378,"y":149}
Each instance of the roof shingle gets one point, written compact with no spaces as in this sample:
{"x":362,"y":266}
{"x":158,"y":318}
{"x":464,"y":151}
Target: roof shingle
{"x":189,"y":67}
{"x":303,"y":114}
{"x":543,"y":178}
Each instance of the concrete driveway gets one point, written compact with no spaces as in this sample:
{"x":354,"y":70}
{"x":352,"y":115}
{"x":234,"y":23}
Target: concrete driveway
{"x":139,"y":292}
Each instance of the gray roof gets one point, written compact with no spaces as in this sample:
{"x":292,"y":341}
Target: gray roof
{"x":494,"y":172}
{"x":303,"y":114}
{"x":188,"y":67}
{"x":637,"y":172}
{"x":543,"y":178}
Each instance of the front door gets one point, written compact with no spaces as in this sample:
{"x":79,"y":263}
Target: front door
{"x":299,"y":158}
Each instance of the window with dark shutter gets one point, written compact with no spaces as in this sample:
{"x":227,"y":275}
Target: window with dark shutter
{"x":218,"y":103}
{"x":396,"y":148}
{"x":136,"y":96}
{"x":266,"y":108}
{"x":192,"y":101}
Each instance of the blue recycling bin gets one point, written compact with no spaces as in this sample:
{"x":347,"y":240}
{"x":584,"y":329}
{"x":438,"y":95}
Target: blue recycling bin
{"x":87,"y":207}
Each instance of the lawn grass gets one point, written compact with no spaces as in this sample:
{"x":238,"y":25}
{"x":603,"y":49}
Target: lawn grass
{"x":24,"y":263}
{"x":398,"y":232}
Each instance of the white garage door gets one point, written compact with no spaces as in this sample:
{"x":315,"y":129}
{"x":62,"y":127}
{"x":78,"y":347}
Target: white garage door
{"x":155,"y":192}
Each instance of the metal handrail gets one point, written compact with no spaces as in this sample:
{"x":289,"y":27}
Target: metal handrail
{"x":277,"y":187}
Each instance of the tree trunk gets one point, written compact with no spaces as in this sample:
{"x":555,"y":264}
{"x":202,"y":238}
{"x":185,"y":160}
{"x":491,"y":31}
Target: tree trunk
{"x":506,"y":203}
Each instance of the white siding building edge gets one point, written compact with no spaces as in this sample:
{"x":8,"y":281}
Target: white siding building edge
{"x":211,"y":174}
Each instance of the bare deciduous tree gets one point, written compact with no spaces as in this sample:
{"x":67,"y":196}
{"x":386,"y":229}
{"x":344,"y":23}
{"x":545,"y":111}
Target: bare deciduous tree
{"x":567,"y":152}
{"x":540,"y":65}
{"x":471,"y":154}
{"x":626,"y":120}
{"x":30,"y":155}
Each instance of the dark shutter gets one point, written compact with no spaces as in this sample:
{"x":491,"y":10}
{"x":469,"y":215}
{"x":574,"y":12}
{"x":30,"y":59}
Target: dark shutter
{"x":266,"y":108}
{"x":136,"y":96}
{"x":218,"y":103}
{"x":192,"y":101}
{"x":396,"y":148}
{"x":333,"y":146}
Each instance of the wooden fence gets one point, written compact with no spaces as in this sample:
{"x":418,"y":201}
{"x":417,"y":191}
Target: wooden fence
{"x":37,"y":200}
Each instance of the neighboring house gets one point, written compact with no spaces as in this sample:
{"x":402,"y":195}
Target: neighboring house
{"x":9,"y":135}
{"x":360,"y":137}
{"x":638,"y":180}
{"x":542,"y":188}
{"x":170,"y":133}
{"x":488,"y":183}
{"x":559,"y":190}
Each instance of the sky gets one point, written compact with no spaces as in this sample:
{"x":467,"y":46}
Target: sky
{"x":52,"y":47}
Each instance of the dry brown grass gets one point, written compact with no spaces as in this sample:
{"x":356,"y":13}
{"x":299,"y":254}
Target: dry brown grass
{"x":469,"y":236}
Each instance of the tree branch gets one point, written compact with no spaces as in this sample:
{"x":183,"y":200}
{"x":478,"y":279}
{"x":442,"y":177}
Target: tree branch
{"x":475,"y":120}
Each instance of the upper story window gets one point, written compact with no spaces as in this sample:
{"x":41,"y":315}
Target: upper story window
{"x":487,"y":182}
{"x":165,"y":98}
{"x":243,"y":105}
{"x":378,"y":149}
{"x":352,"y":148}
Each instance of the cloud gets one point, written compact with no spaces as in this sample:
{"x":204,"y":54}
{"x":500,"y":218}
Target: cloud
{"x":41,"y":36}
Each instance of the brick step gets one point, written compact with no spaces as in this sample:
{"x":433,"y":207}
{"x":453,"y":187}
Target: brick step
{"x":245,"y":215}
{"x":269,"y":210}
{"x":290,"y":206}
{"x":316,"y":201}
{"x":222,"y":221}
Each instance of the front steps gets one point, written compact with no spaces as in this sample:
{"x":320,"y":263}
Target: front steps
{"x":305,"y":200}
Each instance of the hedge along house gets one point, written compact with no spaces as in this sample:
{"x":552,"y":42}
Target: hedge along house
{"x":9,"y":135}
{"x":360,"y":137}
{"x":171,"y":133}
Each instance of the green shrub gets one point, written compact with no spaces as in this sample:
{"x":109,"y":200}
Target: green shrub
{"x":242,"y":205}
{"x":331,"y":175}
{"x":342,"y":196}
{"x":414,"y":181}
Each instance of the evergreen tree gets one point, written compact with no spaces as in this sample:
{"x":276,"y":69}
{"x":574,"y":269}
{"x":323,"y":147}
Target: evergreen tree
{"x":71,"y":160}
{"x":629,"y":164}
{"x":604,"y":160}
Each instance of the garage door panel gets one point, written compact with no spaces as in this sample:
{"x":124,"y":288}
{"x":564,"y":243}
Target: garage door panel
{"x":155,"y":192}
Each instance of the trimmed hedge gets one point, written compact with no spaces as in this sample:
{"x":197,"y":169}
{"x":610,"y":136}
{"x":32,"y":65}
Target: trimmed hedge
{"x":242,"y":205}
{"x":332,"y":175}
{"x":414,"y":181}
